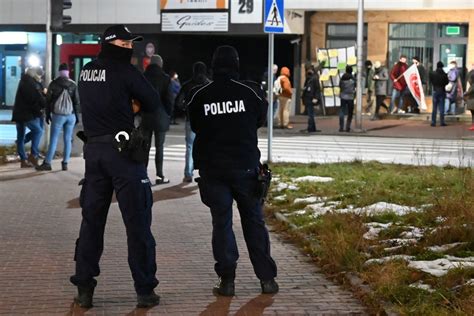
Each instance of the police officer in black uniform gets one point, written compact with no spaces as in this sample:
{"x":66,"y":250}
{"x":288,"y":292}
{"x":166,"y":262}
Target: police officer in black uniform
{"x":225,"y":115}
{"x":107,"y":86}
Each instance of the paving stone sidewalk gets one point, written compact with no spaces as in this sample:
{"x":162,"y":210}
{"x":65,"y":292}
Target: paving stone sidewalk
{"x":39,"y":223}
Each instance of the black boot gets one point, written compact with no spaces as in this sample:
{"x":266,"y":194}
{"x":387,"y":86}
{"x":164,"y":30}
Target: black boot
{"x":225,"y":287}
{"x":269,"y":287}
{"x":44,"y":167}
{"x":84,"y":296}
{"x":64,"y":166}
{"x":148,"y":300}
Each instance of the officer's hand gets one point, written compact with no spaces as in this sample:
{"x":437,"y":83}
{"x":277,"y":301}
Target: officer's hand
{"x":315,"y":101}
{"x":77,"y":120}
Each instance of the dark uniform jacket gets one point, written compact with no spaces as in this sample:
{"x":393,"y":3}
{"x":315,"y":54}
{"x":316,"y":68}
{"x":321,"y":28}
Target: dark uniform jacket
{"x":186,"y":90}
{"x":225,"y":115}
{"x":55,"y":89}
{"x":29,"y":100}
{"x":160,"y":119}
{"x":106,"y":88}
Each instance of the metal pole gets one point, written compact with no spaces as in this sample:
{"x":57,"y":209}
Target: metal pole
{"x":360,"y":43}
{"x":270,"y":96}
{"x":48,"y":65}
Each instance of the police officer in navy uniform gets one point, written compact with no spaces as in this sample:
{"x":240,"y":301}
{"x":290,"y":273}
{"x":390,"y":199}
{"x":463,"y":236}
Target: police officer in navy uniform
{"x":107,"y":86}
{"x":225,"y":115}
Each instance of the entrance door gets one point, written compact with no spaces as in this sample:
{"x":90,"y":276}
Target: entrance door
{"x":12,"y":78}
{"x":456,"y":52}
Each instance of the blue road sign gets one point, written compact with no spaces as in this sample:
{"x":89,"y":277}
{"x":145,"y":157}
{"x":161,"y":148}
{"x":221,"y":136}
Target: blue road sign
{"x":274,"y":21}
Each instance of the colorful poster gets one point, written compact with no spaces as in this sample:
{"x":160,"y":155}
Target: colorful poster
{"x":352,"y":60}
{"x":341,"y":66}
{"x":334,"y":63}
{"x":328,"y":92}
{"x":333,"y":53}
{"x":324,"y":77}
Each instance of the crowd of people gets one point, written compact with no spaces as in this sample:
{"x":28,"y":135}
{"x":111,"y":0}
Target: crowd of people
{"x":35,"y":105}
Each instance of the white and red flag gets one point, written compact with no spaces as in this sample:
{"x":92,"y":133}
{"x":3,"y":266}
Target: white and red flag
{"x":413,"y":79}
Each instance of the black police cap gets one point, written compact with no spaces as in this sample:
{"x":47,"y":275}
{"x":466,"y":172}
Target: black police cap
{"x":121,"y":32}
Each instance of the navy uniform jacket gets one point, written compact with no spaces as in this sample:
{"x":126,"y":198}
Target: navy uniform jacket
{"x":106,"y":88}
{"x":225,"y":115}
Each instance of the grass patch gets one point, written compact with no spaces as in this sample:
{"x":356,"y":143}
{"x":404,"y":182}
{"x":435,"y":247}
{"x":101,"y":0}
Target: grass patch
{"x":5,"y":151}
{"x":444,"y":198}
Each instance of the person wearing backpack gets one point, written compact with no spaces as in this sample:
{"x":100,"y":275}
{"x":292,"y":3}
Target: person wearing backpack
{"x":62,"y":104}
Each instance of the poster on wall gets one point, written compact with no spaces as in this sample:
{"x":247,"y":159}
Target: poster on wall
{"x":246,"y":11}
{"x":194,"y":4}
{"x":195,"y":22}
{"x":333,"y":62}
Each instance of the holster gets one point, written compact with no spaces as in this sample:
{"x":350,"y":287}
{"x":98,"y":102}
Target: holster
{"x":264,"y":180}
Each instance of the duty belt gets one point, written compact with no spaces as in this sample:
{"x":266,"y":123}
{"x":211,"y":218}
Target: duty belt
{"x":100,"y":139}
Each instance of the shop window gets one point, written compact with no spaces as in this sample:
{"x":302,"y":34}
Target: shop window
{"x":344,"y":35}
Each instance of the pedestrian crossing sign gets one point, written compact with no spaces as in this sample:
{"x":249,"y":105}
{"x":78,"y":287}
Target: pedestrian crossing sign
{"x":274,"y":16}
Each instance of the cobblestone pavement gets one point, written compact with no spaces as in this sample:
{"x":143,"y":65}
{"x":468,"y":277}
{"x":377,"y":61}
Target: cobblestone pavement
{"x":39,"y":224}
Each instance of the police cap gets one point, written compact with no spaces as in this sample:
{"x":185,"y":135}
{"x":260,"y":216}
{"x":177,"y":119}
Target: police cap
{"x":121,"y":32}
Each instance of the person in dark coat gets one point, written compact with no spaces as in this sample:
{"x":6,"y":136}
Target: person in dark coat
{"x":115,"y":164}
{"x":28,"y":109}
{"x":347,"y":93}
{"x":225,"y":115}
{"x":439,"y":80}
{"x":64,"y":122}
{"x":199,"y":79}
{"x":311,"y":97}
{"x":158,"y":122}
{"x":380,"y":86}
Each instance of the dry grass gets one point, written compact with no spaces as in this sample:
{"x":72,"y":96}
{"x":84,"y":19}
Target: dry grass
{"x":336,"y":241}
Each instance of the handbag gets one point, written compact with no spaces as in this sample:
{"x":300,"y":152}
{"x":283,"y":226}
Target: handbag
{"x":449,"y":87}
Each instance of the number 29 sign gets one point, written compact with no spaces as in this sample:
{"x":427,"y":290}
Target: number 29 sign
{"x":246,"y":11}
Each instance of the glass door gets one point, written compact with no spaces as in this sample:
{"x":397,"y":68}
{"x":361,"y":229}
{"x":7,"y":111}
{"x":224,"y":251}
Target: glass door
{"x":12,"y":77}
{"x":454,"y":52}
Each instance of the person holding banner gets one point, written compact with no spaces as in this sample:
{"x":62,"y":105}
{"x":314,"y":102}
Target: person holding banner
{"x":422,"y":72}
{"x":415,"y":85}
{"x":439,"y":80}
{"x":399,"y":84}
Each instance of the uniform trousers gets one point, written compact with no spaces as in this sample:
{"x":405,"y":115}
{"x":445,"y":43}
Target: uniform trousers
{"x":107,"y":171}
{"x":218,"y":190}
